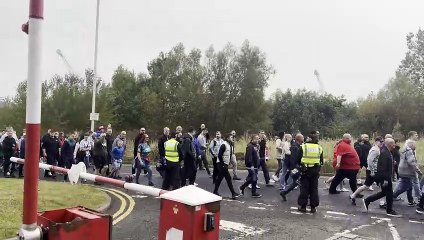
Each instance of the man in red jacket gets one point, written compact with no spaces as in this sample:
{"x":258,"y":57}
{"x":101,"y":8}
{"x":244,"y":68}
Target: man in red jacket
{"x":346,"y":163}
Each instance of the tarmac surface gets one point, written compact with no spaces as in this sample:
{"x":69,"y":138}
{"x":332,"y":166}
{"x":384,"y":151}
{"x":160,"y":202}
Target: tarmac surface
{"x":136,"y":216}
{"x":271,"y":218}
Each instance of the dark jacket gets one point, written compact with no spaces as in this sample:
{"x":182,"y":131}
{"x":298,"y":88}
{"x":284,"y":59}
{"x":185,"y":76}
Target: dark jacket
{"x":292,"y":162}
{"x":67,"y":152}
{"x":396,"y":154}
{"x":262,"y":145}
{"x":137,"y":142}
{"x":161,"y":145}
{"x":251,"y":158}
{"x":51,"y":145}
{"x":384,"y":165}
{"x":9,"y":147}
{"x":366,"y":147}
{"x":22,"y":149}
{"x":188,"y":150}
{"x":109,"y":142}
{"x":99,"y":149}
{"x":358,"y":148}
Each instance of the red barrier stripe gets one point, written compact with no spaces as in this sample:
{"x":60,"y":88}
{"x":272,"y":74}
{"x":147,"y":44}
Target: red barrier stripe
{"x":111,"y":181}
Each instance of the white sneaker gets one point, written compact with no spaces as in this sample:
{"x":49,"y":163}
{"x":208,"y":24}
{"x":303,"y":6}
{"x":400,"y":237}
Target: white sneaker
{"x":275,"y":178}
{"x":327,"y":184}
{"x":8,"y":173}
{"x":344,"y":190}
{"x":272,"y":181}
{"x":250,"y":186}
{"x":195,"y":184}
{"x":370,"y":188}
{"x":50,"y":173}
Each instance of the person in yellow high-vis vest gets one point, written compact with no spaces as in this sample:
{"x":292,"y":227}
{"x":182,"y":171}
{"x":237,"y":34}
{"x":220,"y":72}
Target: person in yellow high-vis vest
{"x":172,"y":164}
{"x":310,"y":159}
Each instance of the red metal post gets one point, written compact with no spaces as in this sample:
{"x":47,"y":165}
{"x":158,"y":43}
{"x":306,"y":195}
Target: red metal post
{"x":29,"y":229}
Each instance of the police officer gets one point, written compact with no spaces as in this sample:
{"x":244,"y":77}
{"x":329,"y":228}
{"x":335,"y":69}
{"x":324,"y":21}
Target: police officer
{"x":172,"y":164}
{"x":310,"y":159}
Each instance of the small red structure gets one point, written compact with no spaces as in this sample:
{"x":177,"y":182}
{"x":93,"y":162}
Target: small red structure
{"x":75,"y":223}
{"x":189,"y":213}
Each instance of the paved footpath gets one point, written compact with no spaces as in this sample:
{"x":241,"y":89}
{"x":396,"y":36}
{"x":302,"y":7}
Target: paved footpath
{"x":137,"y":216}
{"x":271,"y":218}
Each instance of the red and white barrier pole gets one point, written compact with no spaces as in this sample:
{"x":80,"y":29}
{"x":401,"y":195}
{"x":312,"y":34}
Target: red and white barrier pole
{"x":78,"y":171}
{"x":33,"y":28}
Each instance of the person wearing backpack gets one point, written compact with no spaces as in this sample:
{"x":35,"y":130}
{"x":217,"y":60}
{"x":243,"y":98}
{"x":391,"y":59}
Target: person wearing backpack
{"x":214,"y":149}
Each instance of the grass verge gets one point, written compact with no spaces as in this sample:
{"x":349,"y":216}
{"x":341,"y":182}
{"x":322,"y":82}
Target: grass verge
{"x":52,"y":195}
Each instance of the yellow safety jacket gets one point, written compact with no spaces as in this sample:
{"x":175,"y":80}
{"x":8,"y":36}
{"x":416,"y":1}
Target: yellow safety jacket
{"x":311,"y":154}
{"x":171,"y":150}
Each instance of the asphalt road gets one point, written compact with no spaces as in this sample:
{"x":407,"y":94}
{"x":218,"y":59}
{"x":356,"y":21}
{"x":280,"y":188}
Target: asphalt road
{"x":137,"y":216}
{"x":271,"y":218}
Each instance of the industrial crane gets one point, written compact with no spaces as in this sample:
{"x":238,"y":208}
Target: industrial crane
{"x":321,"y":85}
{"x":70,"y":69}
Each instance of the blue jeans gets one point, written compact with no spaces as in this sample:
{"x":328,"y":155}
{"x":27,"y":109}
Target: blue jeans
{"x":146,"y":168}
{"x":284,"y":182}
{"x":404,"y":185}
{"x":293,"y":182}
{"x":416,"y":186}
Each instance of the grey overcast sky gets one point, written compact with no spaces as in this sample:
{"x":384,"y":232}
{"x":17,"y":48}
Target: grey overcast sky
{"x":355,"y":45}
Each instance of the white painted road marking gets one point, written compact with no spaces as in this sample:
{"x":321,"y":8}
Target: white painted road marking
{"x":392,"y":229}
{"x":337,"y":218}
{"x":241,"y":229}
{"x":338,"y":213}
{"x":264,"y":204}
{"x":413,"y":221}
{"x":257,"y":208}
{"x":138,"y":196}
{"x":231,"y":200}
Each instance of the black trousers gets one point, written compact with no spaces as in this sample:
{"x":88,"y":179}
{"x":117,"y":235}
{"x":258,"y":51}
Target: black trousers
{"x":386,"y":191}
{"x":252,"y":178}
{"x":224,"y":173}
{"x":51,"y":160}
{"x":188,"y":172}
{"x":280,"y":165}
{"x":215,"y":169}
{"x":309,"y":187}
{"x":171,"y":176}
{"x":8,"y":166}
{"x":342,"y":174}
{"x":262,"y":164}
{"x":421,"y":202}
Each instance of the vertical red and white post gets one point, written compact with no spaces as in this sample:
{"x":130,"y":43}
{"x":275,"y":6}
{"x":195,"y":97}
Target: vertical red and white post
{"x":34,"y":29}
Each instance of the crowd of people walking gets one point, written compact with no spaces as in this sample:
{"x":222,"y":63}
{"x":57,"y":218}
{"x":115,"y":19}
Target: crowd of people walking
{"x":182,"y":154}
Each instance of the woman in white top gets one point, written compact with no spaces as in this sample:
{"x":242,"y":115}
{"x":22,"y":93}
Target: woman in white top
{"x":279,"y":155}
{"x":283,"y":152}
